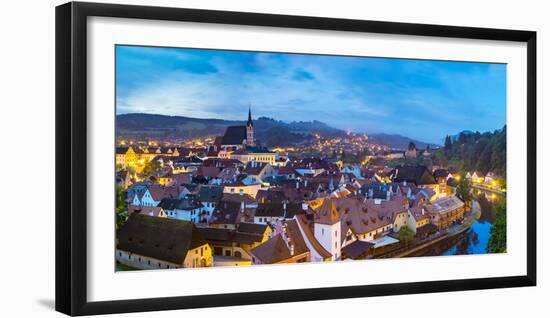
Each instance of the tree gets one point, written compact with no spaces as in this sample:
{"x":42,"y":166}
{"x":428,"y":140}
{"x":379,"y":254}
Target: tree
{"x":405,"y":235}
{"x":412,"y":146}
{"x":448,"y":145}
{"x":121,"y":208}
{"x":497,"y":240}
{"x":440,"y":158}
{"x":150,"y":167}
{"x":462,"y":137}
{"x":464,"y":188}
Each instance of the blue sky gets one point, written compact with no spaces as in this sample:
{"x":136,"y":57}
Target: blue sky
{"x":424,"y":100}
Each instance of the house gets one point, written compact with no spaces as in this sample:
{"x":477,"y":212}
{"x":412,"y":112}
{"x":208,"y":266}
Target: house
{"x":186,"y":209}
{"x":358,"y":250}
{"x":270,"y":212}
{"x":317,"y":252}
{"x":367,"y":219}
{"x":478,"y":177}
{"x":226,"y":175}
{"x":239,"y":187}
{"x":287,"y":245}
{"x":228,"y":215}
{"x":445,"y":211}
{"x":327,"y":228}
{"x":254,"y":228}
{"x":232,"y":246}
{"x":165,"y":178}
{"x":441,"y":175}
{"x":419,"y":218}
{"x":418,"y":175}
{"x":138,"y":189}
{"x":489,"y":178}
{"x":354,"y":170}
{"x":249,"y":153}
{"x":259,"y":170}
{"x":126,"y":156}
{"x":147,"y":210}
{"x":379,"y":190}
{"x":154,"y":194}
{"x":182,"y":178}
{"x":209,"y":197}
{"x":147,"y":242}
{"x":275,"y":195}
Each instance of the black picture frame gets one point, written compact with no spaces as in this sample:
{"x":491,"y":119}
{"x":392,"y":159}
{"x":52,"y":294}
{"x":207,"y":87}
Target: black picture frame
{"x":71,"y":157}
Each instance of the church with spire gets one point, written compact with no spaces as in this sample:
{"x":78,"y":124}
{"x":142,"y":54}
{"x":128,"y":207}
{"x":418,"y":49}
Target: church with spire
{"x":238,"y":137}
{"x":249,"y":129}
{"x":239,"y":142}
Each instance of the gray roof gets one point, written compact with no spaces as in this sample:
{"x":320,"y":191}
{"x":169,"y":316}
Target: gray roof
{"x":246,"y":227}
{"x":234,"y":135}
{"x":161,"y":238}
{"x":179,"y":204}
{"x":210,"y":194}
{"x":419,"y":175}
{"x":357,"y":248}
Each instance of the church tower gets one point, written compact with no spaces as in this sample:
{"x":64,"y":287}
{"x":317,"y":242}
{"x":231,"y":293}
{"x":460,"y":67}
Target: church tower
{"x":249,"y":129}
{"x":327,"y":228}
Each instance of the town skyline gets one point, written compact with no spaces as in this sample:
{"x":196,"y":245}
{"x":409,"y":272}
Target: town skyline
{"x":442,"y":98}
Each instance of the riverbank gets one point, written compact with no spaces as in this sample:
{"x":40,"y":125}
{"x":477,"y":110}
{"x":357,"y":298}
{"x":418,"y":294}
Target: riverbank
{"x":450,"y":232}
{"x":478,"y":186}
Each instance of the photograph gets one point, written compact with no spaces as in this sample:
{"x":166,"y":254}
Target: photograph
{"x":247,"y":158}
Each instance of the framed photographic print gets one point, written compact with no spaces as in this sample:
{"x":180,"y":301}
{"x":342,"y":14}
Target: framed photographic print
{"x":210,"y":158}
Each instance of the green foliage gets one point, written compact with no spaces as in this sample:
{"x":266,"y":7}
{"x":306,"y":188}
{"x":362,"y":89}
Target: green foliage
{"x":441,"y":159}
{"x":475,"y":152}
{"x":500,"y":183}
{"x":121,"y":209}
{"x":392,"y":163}
{"x":464,"y":189}
{"x":405,"y":235}
{"x":497,"y":240}
{"x":448,"y":145}
{"x":150,"y":167}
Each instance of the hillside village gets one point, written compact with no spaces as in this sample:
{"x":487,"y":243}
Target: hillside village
{"x":228,"y":201}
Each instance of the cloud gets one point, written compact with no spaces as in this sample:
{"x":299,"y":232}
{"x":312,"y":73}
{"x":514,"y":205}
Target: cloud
{"x":420,"y":99}
{"x":301,"y":75}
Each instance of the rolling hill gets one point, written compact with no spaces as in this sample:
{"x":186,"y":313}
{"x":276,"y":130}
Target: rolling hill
{"x":272,"y":132}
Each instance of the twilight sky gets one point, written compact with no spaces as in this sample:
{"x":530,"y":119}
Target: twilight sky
{"x":424,"y":100}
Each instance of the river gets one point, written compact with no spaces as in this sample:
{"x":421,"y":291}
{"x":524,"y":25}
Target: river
{"x":473,"y":241}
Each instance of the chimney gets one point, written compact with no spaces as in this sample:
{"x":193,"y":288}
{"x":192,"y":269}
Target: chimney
{"x":242,"y":206}
{"x":305,"y":183}
{"x":297,"y":185}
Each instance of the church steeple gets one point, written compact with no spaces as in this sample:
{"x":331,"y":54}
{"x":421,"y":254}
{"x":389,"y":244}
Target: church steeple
{"x":249,"y":129}
{"x":249,"y":123}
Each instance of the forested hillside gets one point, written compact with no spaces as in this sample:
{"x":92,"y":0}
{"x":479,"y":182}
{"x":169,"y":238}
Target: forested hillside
{"x":475,"y":151}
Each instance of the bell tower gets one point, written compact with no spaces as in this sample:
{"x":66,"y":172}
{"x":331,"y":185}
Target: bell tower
{"x":249,"y":129}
